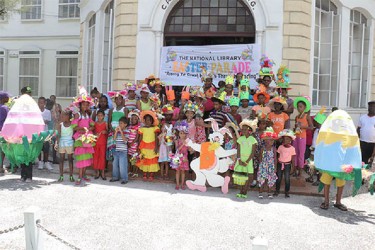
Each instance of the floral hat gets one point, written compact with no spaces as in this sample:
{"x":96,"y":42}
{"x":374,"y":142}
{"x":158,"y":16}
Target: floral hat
{"x":155,"y":98}
{"x":266,"y":65}
{"x":143,"y":88}
{"x":234,"y":127}
{"x":253,"y":124}
{"x":280,"y":100}
{"x":150,"y":78}
{"x":304,"y":99}
{"x":135,"y":112}
{"x":152,"y":114}
{"x":115,"y":94}
{"x":268,"y":134}
{"x":167,"y":109}
{"x":197,"y":92}
{"x":266,"y":95}
{"x":283,"y":78}
{"x":155,"y":82}
{"x":287,"y":132}
{"x":183,"y":126}
{"x":130,"y":86}
{"x":229,"y":80}
{"x":83,"y":98}
{"x":190,"y":106}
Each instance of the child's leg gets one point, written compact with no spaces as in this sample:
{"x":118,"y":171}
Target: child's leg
{"x":115,"y":167}
{"x":61,"y":165}
{"x":123,"y":167}
{"x":70,"y":160}
{"x":45,"y":151}
{"x":166,"y":166}
{"x":177,"y":179}
{"x":279,"y":174}
{"x":326,"y":194}
{"x":80,"y":173}
{"x":183,"y":179}
{"x":162,"y":170}
{"x":287,"y":178}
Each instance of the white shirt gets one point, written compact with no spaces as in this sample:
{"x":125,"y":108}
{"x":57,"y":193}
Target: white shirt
{"x":46,"y":117}
{"x":367,"y":128}
{"x":315,"y":137}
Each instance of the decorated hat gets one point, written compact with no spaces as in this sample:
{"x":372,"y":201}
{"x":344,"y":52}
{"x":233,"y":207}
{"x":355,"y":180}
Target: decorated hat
{"x":205,"y":74}
{"x":266,"y":65}
{"x":234,"y":101}
{"x":283,"y":78}
{"x":266,"y":95}
{"x":183,"y":126}
{"x":3,"y":95}
{"x":253,"y":124}
{"x":234,"y":127}
{"x":210,"y":92}
{"x":190,"y":106}
{"x":155,"y":82}
{"x":304,"y":99}
{"x":244,"y":95}
{"x":268,"y":134}
{"x":115,"y":94}
{"x":220,"y":99}
{"x":245,"y":82}
{"x":155,"y":98}
{"x":197,"y":92}
{"x":83,"y":98}
{"x":150,"y":78}
{"x":320,"y":117}
{"x":170,"y":93}
{"x":167,"y":109}
{"x":26,"y":90}
{"x":279,"y":100}
{"x":135,"y":112}
{"x":143,"y":88}
{"x":152,"y":114}
{"x":229,"y":80}
{"x":288,"y":133}
{"x":185,"y":94}
{"x":130,"y":86}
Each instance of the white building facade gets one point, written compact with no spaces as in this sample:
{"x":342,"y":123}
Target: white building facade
{"x":39,"y":47}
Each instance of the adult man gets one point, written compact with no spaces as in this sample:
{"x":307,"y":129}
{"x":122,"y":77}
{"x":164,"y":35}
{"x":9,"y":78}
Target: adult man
{"x":4,"y":98}
{"x":366,"y":132}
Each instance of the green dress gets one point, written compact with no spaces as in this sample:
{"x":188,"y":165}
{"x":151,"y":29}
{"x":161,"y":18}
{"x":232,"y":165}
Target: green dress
{"x":246,"y":146}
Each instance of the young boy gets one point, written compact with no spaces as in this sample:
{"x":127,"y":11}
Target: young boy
{"x":120,"y":156}
{"x":47,"y":118}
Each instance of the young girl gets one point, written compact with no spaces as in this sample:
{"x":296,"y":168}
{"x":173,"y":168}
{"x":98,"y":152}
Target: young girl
{"x":116,"y":114}
{"x":159,"y":90}
{"x":133,"y":139}
{"x":200,"y":134}
{"x":246,"y":145}
{"x":286,"y":160}
{"x":83,"y":127}
{"x":104,"y":106}
{"x":130,"y":100}
{"x":148,"y":145}
{"x":262,"y":125}
{"x":100,"y":130}
{"x":267,"y":167}
{"x":144,"y":103}
{"x":261,"y":110}
{"x":182,"y":148}
{"x":165,"y":143}
{"x":303,"y":122}
{"x":64,"y":143}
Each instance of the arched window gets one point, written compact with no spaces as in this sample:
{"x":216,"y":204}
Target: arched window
{"x":204,"y":22}
{"x":108,"y":47}
{"x":90,"y":54}
{"x":326,"y":54}
{"x":358,"y":60}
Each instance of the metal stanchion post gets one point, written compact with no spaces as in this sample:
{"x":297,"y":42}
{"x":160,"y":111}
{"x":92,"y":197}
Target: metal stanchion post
{"x":33,"y":234}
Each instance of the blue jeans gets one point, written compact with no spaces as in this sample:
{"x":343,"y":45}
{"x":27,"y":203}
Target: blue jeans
{"x":120,"y":165}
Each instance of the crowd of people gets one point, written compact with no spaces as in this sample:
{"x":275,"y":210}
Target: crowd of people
{"x":144,"y":129}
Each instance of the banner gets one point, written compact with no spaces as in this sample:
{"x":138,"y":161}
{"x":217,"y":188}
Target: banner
{"x":181,"y":65}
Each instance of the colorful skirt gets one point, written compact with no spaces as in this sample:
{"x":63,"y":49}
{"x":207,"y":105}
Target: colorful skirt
{"x":149,"y":159}
{"x":84,"y":154}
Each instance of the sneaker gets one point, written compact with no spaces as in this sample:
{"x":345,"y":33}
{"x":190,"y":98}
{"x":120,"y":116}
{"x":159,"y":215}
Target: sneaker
{"x":61,"y":179}
{"x":48,"y":165}
{"x":40,"y":165}
{"x":260,"y":196}
{"x":253,"y":184}
{"x":78,"y":182}
{"x":28,"y":180}
{"x":124,"y":182}
{"x":71,"y":178}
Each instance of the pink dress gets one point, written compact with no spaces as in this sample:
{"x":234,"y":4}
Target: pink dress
{"x":133,"y":145}
{"x":83,"y":151}
{"x":184,"y":163}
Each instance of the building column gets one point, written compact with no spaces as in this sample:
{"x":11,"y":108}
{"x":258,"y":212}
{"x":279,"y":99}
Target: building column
{"x":371,"y":68}
{"x":259,"y":40}
{"x":158,"y":46}
{"x":98,"y":52}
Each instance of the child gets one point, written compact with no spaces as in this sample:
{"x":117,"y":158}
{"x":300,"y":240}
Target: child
{"x":234,"y":103}
{"x":133,"y":139}
{"x":144,"y":103}
{"x":104,"y":106}
{"x":130,"y":100}
{"x":286,"y":160}
{"x":64,"y":144}
{"x":117,"y":112}
{"x":171,"y":97}
{"x":277,"y":116}
{"x":190,"y":110}
{"x":231,"y":142}
{"x":262,"y":125}
{"x":303,"y":122}
{"x":267,"y":167}
{"x":221,"y":85}
{"x":217,"y":114}
{"x":165,"y":141}
{"x":246,"y":145}
{"x":159,"y":90}
{"x":84,"y":142}
{"x":120,"y":156}
{"x":261,"y":110}
{"x":100,"y":130}
{"x":148,"y":145}
{"x":47,"y":118}
{"x":244,"y":110}
{"x":182,"y":148}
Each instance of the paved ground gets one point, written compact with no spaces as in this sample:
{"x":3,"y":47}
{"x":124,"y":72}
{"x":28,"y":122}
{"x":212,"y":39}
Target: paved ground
{"x":154,"y":216}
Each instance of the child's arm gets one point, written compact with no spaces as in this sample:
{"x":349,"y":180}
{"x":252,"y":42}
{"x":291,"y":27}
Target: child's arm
{"x":261,"y":155}
{"x":139,"y":105}
{"x":126,"y":112}
{"x":275,"y":155}
{"x":110,"y":119}
{"x":252,"y":154}
{"x":115,"y":134}
{"x":58,"y":137}
{"x":309,"y":122}
{"x":156,"y":143}
{"x":123,"y":136}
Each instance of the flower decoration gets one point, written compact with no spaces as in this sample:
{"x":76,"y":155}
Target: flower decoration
{"x":167,"y":109}
{"x":115,"y":94}
{"x":347,"y":168}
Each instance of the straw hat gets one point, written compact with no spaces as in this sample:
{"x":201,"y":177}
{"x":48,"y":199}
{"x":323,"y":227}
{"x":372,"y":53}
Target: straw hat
{"x":135,"y":112}
{"x":143,"y":88}
{"x":287,"y":132}
{"x":280,"y":100}
{"x":253,"y":124}
{"x":234,"y":127}
{"x":152,"y":114}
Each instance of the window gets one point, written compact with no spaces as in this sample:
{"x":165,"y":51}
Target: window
{"x":108,"y":48}
{"x":358,"y":60}
{"x":90,"y":54}
{"x":326,"y":54}
{"x":31,"y":9}
{"x":2,"y":65}
{"x":29,"y":70}
{"x":66,"y":73}
{"x":69,"y":8}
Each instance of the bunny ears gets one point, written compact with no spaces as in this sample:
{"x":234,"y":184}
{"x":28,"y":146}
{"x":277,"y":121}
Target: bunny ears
{"x":185,"y":94}
{"x":216,"y":129}
{"x":170,"y":93}
{"x":115,"y":94}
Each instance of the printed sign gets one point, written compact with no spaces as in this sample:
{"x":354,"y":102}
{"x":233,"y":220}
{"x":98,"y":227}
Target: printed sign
{"x":182,"y":65}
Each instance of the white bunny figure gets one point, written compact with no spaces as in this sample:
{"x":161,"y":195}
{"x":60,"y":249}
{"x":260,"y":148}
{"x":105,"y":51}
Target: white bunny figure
{"x":213,"y":160}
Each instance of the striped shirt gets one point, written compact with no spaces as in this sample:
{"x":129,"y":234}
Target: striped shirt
{"x":121,"y":145}
{"x":131,"y":104}
{"x":219,"y":116}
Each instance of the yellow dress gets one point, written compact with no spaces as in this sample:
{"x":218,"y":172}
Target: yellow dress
{"x":149,"y":159}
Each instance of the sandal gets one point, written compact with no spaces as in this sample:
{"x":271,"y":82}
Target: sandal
{"x":309,"y":179}
{"x":340,"y":206}
{"x":260,"y":196}
{"x":61,"y":179}
{"x":177,"y":187}
{"x":144,"y":177}
{"x":270,"y":196}
{"x":151,"y":178}
{"x":86,"y":178}
{"x":324,"y":206}
{"x":239,"y":195}
{"x":71,"y":178}
{"x":243,"y":196}
{"x":183,"y":187}
{"x":78,"y":182}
